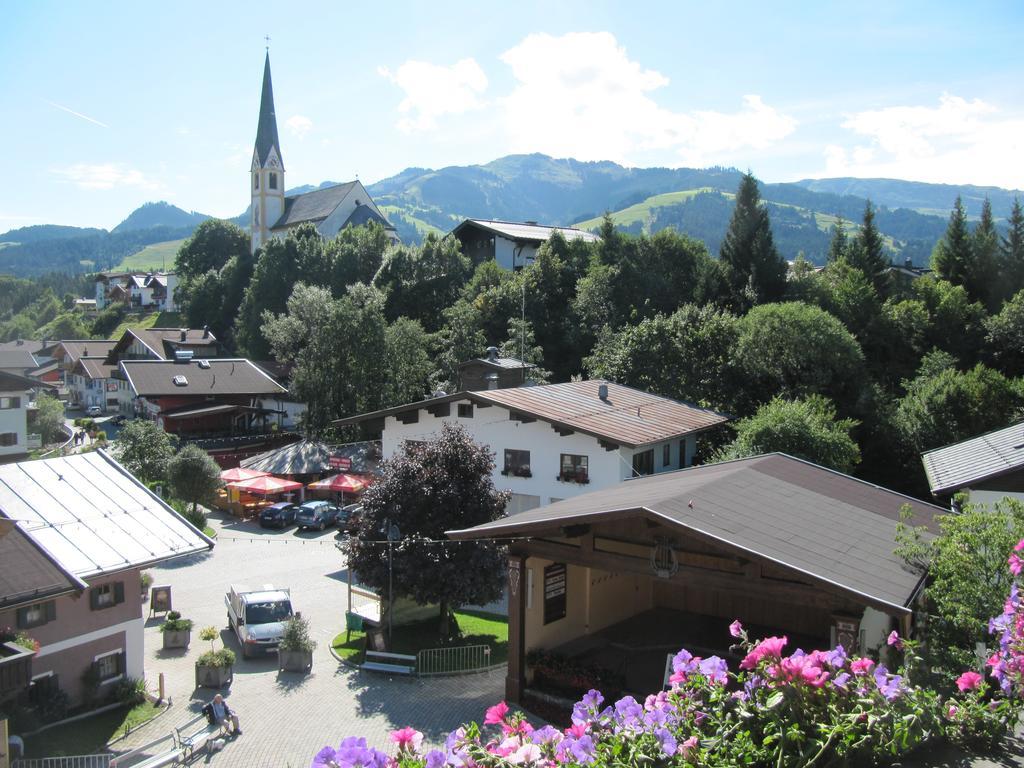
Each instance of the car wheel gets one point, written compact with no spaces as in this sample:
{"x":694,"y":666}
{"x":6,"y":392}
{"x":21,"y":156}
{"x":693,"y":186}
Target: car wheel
{"x":322,"y":525}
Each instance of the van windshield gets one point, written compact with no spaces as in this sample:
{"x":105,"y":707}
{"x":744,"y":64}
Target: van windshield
{"x":268,"y":613}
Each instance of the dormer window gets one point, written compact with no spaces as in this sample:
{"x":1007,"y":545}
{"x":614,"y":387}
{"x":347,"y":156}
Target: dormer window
{"x":273,"y":181}
{"x":255,"y":181}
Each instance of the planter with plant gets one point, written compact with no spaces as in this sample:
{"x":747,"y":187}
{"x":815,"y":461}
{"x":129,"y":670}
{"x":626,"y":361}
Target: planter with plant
{"x":145,"y":582}
{"x":176,"y":630}
{"x":295,"y":651}
{"x":215,"y":668}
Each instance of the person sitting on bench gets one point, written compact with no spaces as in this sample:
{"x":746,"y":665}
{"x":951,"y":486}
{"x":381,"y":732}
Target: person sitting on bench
{"x":218,"y":713}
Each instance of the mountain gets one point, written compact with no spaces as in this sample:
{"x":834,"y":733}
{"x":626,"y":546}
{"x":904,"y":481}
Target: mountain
{"x":160,"y":214}
{"x":917,"y":195}
{"x":41,"y":232}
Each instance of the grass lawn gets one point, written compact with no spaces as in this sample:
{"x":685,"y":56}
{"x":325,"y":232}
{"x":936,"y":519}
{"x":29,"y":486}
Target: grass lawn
{"x":147,"y":320}
{"x":477,"y":629}
{"x":209,"y":532}
{"x":90,"y":734}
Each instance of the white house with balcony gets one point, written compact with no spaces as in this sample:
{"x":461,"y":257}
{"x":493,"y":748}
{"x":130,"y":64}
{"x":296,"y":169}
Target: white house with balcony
{"x":557,"y":440}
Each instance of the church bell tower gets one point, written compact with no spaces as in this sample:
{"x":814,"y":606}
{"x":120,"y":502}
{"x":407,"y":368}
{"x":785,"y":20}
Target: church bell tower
{"x":267,"y":172}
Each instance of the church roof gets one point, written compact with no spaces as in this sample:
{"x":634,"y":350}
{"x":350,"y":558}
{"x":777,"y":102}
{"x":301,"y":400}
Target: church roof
{"x":313,"y":206}
{"x":266,"y":131}
{"x":364,"y":214}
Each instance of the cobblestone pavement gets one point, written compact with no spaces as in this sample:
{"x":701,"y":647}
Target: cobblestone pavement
{"x":286,"y":718}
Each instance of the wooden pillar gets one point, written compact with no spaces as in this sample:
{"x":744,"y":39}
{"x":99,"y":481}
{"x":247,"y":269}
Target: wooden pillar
{"x":516,"y":678}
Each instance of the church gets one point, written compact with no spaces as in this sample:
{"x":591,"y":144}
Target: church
{"x":331,"y":209}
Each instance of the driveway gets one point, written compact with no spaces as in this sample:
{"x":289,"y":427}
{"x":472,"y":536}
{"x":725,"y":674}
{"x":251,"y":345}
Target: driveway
{"x":286,"y":718}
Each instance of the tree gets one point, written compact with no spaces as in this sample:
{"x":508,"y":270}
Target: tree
{"x":807,"y":429}
{"x":522,"y":344}
{"x":867,"y":252}
{"x":409,"y":365}
{"x":144,"y":449}
{"x":1004,"y":337}
{"x":1012,"y":251}
{"x":839,"y":243}
{"x":193,"y":476}
{"x":983,"y":269}
{"x":211,"y":246}
{"x":428,"y":489}
{"x":951,"y":257}
{"x":755,"y":271}
{"x":49,"y":417}
{"x":460,"y":339}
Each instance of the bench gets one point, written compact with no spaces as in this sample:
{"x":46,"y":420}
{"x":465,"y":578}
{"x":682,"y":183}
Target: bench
{"x":171,"y":755}
{"x":195,"y":733}
{"x":394,"y":663}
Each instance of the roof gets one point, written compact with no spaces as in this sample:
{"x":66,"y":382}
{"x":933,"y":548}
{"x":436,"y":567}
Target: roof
{"x":524,"y":231}
{"x":45,"y":368}
{"x":79,"y":348}
{"x":33,"y":346}
{"x":266,"y":129}
{"x":17,"y":358}
{"x":28,"y":575}
{"x":827,"y":526}
{"x":163,"y":341}
{"x":313,"y":206}
{"x":90,"y":516}
{"x":12,"y":382}
{"x":627,"y":417}
{"x":97,"y":368}
{"x":956,"y":466}
{"x":308,"y":457}
{"x":364,"y":214}
{"x":498,"y":362}
{"x":228,"y":376}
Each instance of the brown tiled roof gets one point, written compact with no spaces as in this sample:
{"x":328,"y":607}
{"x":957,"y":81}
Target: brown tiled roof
{"x":28,"y":574}
{"x":163,"y":340}
{"x":153,"y":378}
{"x":814,"y":521}
{"x":78,"y":348}
{"x":22,"y":359}
{"x":956,"y":466}
{"x":96,"y":367}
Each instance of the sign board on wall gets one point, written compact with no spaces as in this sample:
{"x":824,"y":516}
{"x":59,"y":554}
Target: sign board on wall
{"x":344,"y":463}
{"x":554,"y":592}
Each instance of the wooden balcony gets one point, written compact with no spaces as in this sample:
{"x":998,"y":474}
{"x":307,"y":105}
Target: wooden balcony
{"x":15,"y":669}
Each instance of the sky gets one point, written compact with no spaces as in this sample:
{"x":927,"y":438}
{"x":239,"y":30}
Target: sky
{"x":109,"y":105}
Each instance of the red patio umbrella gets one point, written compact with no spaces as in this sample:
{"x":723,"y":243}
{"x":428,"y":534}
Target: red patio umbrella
{"x":342,"y":483}
{"x":238,"y":473}
{"x":266,"y":485}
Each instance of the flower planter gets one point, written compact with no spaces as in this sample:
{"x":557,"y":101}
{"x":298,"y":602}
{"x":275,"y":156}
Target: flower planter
{"x":294,"y":661}
{"x":213,"y":677}
{"x":177,"y":638}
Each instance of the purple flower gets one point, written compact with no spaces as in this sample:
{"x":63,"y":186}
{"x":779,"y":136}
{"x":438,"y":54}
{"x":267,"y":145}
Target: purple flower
{"x":546,"y":735}
{"x":836,"y":657}
{"x":668,"y":742}
{"x":435,"y":759}
{"x":325,"y":757}
{"x":894,"y":640}
{"x":841,"y":680}
{"x":628,"y":713}
{"x":888,"y":685}
{"x":585,"y":710}
{"x":736,"y":629}
{"x":581,"y":749}
{"x":715,"y":670}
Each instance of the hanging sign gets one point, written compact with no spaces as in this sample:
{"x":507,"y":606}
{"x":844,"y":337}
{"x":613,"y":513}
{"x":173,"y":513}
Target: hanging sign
{"x":554,"y":592}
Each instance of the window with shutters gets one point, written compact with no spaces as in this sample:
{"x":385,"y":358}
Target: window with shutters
{"x":8,"y":438}
{"x":7,"y":403}
{"x":36,"y":615}
{"x":106,"y":595}
{"x":643,"y":462}
{"x":109,"y":666}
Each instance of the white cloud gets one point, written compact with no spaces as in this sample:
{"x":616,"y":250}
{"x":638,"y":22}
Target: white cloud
{"x":580,"y":95}
{"x":105,"y":176}
{"x":433,"y":90}
{"x":959,"y":141}
{"x":299,"y":125}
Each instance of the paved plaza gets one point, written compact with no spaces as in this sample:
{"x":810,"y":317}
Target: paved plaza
{"x":287,"y":717}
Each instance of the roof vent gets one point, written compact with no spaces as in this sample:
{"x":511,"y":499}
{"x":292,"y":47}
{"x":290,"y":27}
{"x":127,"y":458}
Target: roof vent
{"x":492,"y":380}
{"x":183,"y":355}
{"x":602,"y":391}
{"x":206,"y":331}
{"x":204,"y":364}
{"x":184,"y":334}
{"x":180,"y":381}
{"x":492,"y":354}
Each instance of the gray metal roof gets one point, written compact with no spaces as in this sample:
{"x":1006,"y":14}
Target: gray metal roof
{"x":956,"y":466}
{"x":313,"y":206}
{"x":523,"y":231}
{"x":96,"y":367}
{"x":154,"y":378}
{"x":17,"y":359}
{"x":498,"y":362}
{"x":364,"y":214}
{"x":90,"y":516}
{"x":309,"y":457}
{"x":266,"y":129}
{"x":820,"y":523}
{"x":79,"y":348}
{"x":28,"y":574}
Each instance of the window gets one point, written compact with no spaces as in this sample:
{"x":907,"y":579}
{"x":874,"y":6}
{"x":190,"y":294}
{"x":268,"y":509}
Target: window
{"x":109,"y":666}
{"x":574,"y":469}
{"x":36,"y":615}
{"x":10,"y":402}
{"x":43,"y":688}
{"x":8,"y":438}
{"x":256,"y":181}
{"x":106,"y":595}
{"x":273,"y":181}
{"x":643,"y":463}
{"x":465,"y":410}
{"x":517,"y":463}
{"x":666,"y":455}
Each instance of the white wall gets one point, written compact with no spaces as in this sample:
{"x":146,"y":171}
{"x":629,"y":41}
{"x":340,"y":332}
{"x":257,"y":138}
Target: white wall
{"x":990,"y":498}
{"x":506,"y":256}
{"x":15,"y":420}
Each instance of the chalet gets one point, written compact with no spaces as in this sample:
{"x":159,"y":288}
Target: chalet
{"x":665,"y":562}
{"x":513,"y":245}
{"x":68,"y":352}
{"x":987,"y":468}
{"x":15,"y":401}
{"x":557,"y":440}
{"x":49,"y":372}
{"x":95,"y":382}
{"x":163,"y":344}
{"x":75,"y":533}
{"x":493,"y":372}
{"x":149,"y":290}
{"x":17,"y":361}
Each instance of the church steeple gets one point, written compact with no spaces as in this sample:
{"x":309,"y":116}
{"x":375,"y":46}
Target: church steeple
{"x":267,"y":169}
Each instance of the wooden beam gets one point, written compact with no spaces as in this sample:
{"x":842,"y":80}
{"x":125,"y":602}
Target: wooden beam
{"x":515,"y":678}
{"x":409,"y":417}
{"x":522,"y":417}
{"x":608,"y":446}
{"x":563,"y":431}
{"x":440,"y":410}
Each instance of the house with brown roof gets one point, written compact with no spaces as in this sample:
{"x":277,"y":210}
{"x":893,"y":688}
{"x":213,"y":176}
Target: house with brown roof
{"x":75,"y":532}
{"x":139,"y":290}
{"x":554,"y":441}
{"x":95,"y":382}
{"x":622,"y":578}
{"x":68,"y":352}
{"x":986,"y":468}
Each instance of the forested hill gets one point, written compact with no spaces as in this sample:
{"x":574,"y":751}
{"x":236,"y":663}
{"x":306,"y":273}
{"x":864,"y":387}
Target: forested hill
{"x":918,"y":196}
{"x":159,"y":214}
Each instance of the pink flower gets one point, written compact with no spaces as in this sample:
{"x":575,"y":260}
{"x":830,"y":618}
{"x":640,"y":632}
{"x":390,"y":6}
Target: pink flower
{"x":1015,"y":564}
{"x":407,"y":739}
{"x":968,"y":681}
{"x":770,"y":647}
{"x":951,"y":712}
{"x":894,"y":640}
{"x":687,"y":747}
{"x":496,"y":714}
{"x":576,"y":730}
{"x":862,"y":666}
{"x":527,"y":753}
{"x":736,"y":629}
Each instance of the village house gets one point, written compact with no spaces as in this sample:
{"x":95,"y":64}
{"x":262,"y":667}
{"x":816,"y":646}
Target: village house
{"x":95,"y":382}
{"x":513,"y":245}
{"x":986,"y":468}
{"x":68,"y":352}
{"x":493,"y":372}
{"x":15,"y":401}
{"x":75,"y":533}
{"x":149,"y":290}
{"x":17,"y":361}
{"x":557,"y":440}
{"x":659,"y":563}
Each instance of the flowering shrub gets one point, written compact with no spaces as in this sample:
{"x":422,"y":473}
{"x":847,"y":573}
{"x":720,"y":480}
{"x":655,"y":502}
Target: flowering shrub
{"x":797,"y":709}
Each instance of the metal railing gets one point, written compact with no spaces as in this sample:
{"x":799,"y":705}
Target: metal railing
{"x":76,"y":761}
{"x":448,"y":661}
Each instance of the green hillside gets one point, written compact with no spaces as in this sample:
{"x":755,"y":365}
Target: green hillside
{"x":643,"y":211}
{"x":152,"y":257}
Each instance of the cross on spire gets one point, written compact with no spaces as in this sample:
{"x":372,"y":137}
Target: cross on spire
{"x":267,"y":38}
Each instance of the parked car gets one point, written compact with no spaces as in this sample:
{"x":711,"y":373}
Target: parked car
{"x":257,"y":617}
{"x":316,"y":514}
{"x":279,"y":515}
{"x":93,"y":410}
{"x":348,"y":517}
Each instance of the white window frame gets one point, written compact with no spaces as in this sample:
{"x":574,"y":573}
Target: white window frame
{"x":104,"y":655}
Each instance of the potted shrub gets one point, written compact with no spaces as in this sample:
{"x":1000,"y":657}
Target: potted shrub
{"x":295,"y":651}
{"x":177,"y":631}
{"x":215,"y":668}
{"x":145,"y":582}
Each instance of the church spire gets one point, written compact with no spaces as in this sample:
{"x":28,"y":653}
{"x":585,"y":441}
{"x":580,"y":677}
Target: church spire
{"x":266,"y":131}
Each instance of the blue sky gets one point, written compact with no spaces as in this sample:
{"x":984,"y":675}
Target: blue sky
{"x":109,"y":105}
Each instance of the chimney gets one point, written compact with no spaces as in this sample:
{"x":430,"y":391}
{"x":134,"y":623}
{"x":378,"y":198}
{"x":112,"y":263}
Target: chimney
{"x":206,"y":331}
{"x":909,"y":263}
{"x":492,"y":380}
{"x":184,"y":334}
{"x":602,"y":391}
{"x":492,"y":354}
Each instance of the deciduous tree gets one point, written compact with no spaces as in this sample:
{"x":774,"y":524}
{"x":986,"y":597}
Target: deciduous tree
{"x":144,"y":449}
{"x":193,"y":476}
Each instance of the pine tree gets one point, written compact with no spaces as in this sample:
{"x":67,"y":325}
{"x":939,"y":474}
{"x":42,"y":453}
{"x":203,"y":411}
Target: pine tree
{"x":867,"y":252}
{"x":983,"y":267}
{"x":1012,"y":252}
{"x":840,"y":242}
{"x":756,"y":272}
{"x":952,"y":253}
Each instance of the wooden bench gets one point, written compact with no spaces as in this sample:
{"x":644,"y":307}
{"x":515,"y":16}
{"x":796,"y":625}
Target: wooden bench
{"x":169,"y":756}
{"x":394,"y":663}
{"x":195,"y":733}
